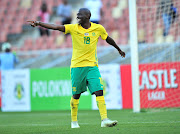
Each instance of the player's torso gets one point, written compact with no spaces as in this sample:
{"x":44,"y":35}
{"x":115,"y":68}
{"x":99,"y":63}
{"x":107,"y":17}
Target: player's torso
{"x":84,"y":45}
{"x":85,"y":39}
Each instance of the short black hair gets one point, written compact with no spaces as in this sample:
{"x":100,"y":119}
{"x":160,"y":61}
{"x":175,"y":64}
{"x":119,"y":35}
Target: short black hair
{"x":7,"y":50}
{"x":87,"y":11}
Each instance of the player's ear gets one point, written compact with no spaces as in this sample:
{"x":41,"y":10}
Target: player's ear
{"x":89,"y":15}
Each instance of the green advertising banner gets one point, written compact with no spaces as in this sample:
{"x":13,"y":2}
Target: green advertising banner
{"x":51,"y":90}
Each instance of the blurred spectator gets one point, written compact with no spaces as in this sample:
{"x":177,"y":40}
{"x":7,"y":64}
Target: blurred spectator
{"x":95,"y":6}
{"x":44,"y":16}
{"x":65,"y":11}
{"x":25,"y":3}
{"x":168,"y":12}
{"x":7,"y":58}
{"x":141,"y":36}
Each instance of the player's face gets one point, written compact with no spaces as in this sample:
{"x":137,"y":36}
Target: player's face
{"x":81,"y":17}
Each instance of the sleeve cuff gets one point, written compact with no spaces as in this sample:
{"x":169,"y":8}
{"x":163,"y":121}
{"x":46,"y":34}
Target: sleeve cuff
{"x":105,"y":37}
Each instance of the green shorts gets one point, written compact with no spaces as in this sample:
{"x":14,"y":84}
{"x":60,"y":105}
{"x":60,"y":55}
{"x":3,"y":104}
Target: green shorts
{"x":83,"y":77}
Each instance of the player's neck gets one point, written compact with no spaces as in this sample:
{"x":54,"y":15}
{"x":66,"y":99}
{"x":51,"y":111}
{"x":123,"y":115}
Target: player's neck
{"x":86,"y":25}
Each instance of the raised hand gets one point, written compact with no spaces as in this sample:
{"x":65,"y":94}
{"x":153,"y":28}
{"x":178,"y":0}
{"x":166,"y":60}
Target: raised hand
{"x":33,"y":23}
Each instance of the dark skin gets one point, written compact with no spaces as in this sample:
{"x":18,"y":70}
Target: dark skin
{"x":83,"y":17}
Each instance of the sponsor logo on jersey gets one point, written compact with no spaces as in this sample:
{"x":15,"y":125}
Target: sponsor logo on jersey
{"x":86,"y":34}
{"x":93,"y":34}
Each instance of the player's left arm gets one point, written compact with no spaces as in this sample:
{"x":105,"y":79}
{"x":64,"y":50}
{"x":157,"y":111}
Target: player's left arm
{"x":110,"y":41}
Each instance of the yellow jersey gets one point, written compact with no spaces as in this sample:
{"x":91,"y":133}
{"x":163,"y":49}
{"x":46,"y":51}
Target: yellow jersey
{"x":84,"y":43}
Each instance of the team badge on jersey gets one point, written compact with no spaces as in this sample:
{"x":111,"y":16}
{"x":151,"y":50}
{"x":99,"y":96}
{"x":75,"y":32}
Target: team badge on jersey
{"x":86,"y":34}
{"x":93,"y":34}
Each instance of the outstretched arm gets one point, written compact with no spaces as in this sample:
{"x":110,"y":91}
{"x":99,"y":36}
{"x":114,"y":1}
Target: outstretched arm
{"x":47,"y":25}
{"x":110,"y":41}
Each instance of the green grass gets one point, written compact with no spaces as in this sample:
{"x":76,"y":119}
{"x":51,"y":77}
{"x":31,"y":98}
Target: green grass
{"x":156,"y":121}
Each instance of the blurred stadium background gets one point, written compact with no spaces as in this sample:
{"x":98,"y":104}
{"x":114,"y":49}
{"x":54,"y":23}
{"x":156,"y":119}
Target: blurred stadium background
{"x":28,"y":44}
{"x":157,"y":52}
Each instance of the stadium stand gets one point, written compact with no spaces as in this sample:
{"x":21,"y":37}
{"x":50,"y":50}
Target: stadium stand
{"x":14,"y":15}
{"x":117,"y":22}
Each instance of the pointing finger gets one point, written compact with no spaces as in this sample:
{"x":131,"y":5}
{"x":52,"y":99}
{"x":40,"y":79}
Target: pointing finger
{"x":30,"y":21}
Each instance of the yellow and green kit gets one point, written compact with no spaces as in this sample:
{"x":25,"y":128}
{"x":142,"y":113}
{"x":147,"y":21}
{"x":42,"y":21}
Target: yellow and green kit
{"x":83,"y":77}
{"x":84,"y":62}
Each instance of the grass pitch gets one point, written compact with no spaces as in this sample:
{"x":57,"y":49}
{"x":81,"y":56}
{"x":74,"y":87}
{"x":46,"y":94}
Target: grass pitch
{"x":156,"y":121}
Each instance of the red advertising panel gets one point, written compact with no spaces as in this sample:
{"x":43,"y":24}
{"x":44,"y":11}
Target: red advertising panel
{"x":159,"y":85}
{"x":126,"y":85}
{"x":0,"y":90}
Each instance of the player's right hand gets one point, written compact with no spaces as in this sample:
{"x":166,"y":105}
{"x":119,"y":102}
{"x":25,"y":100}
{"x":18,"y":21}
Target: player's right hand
{"x":33,"y":23}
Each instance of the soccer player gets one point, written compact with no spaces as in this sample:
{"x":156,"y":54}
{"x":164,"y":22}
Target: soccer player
{"x":84,"y":63}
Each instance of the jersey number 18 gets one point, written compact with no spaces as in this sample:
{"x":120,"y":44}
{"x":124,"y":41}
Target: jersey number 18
{"x":86,"y":40}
